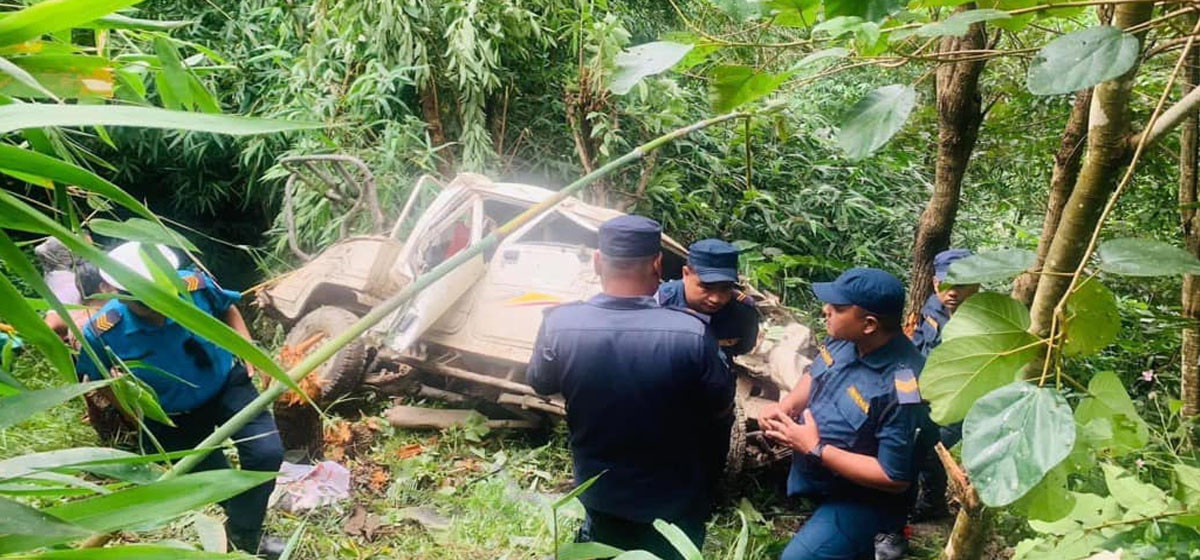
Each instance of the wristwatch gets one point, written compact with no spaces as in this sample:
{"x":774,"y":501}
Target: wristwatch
{"x":816,"y":451}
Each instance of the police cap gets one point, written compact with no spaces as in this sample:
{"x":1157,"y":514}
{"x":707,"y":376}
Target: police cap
{"x":630,"y":236}
{"x":714,"y":260}
{"x":943,"y":260}
{"x":872,"y":289}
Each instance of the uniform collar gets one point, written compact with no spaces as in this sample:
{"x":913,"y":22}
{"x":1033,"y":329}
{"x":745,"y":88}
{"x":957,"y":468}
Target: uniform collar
{"x":887,"y":354}
{"x":934,"y":307}
{"x":613,"y":302}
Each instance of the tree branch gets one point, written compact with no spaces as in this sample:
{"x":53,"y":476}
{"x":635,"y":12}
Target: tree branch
{"x":1170,"y":118}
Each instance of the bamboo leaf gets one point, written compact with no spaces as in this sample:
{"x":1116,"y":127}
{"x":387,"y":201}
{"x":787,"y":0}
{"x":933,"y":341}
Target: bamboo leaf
{"x":19,"y":160}
{"x":1012,"y":437}
{"x":576,"y":492}
{"x":649,"y":59}
{"x":17,"y":408}
{"x":38,"y":115}
{"x":54,"y":15}
{"x":118,"y":21}
{"x":870,"y":10}
{"x":16,"y":312}
{"x":875,"y":119}
{"x":155,"y":502}
{"x":174,"y":76}
{"x":1081,"y":60}
{"x":132,"y":552}
{"x":678,"y":539}
{"x":21,"y":216}
{"x":587,"y":551}
{"x":19,"y":519}
{"x":103,"y":461}
{"x":138,"y":229}
{"x":23,"y":77}
{"x":69,"y":76}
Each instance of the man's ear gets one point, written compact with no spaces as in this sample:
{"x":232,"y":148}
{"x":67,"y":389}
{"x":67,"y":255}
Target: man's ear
{"x":870,"y":325}
{"x":596,"y":263}
{"x":658,"y":266}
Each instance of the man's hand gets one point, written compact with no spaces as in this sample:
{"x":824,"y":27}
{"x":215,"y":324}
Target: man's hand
{"x":770,"y":412}
{"x":800,"y":437}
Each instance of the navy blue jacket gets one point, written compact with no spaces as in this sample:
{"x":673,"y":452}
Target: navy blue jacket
{"x":928,"y":333}
{"x":649,"y":403}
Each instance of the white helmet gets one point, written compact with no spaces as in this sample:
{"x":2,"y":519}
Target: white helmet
{"x":129,"y":254}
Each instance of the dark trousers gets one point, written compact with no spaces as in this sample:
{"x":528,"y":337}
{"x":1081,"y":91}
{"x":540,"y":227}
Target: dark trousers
{"x":932,"y":475}
{"x":258,"y":445}
{"x":632,"y":535}
{"x":843,"y":529}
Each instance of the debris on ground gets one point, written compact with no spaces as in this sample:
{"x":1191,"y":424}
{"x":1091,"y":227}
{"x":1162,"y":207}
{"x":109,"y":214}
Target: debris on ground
{"x":349,"y":440}
{"x":362,"y":524}
{"x":306,"y":487}
{"x":424,"y":516}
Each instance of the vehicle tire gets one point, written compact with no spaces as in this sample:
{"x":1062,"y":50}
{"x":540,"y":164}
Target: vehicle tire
{"x":343,"y":372}
{"x":736,"y":458}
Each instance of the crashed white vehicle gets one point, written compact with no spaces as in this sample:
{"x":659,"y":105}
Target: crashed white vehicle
{"x":468,"y":337}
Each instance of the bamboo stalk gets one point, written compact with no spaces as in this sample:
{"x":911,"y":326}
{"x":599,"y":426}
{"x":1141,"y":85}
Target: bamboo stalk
{"x":327,"y":350}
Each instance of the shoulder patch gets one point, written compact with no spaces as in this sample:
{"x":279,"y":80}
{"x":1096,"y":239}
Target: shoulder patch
{"x":194,"y":282}
{"x":825,"y":355}
{"x":105,"y":321}
{"x":907,"y":390}
{"x":743,"y":297}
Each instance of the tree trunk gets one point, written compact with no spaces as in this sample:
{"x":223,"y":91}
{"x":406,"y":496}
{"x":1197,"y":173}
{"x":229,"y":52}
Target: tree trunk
{"x":1062,"y":180}
{"x":1107,"y":143}
{"x":960,"y":112}
{"x":1190,"y":220}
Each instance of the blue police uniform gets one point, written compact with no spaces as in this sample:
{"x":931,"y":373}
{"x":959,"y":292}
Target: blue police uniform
{"x":649,"y":402}
{"x":735,"y":326}
{"x":869,"y":405}
{"x":197,"y":383}
{"x":928,"y":333}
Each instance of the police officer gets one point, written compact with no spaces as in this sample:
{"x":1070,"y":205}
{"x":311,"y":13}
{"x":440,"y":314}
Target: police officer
{"x":709,"y":286}
{"x":942,"y":303}
{"x":198,"y":384}
{"x":852,"y":420}
{"x":649,"y":399}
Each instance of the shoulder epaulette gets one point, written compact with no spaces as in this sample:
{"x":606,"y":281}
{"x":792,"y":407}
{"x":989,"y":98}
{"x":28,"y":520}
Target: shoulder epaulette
{"x":907,"y":390}
{"x":105,"y":321}
{"x":825,"y":355}
{"x":743,"y":297}
{"x":932,"y":322}
{"x":194,"y":281}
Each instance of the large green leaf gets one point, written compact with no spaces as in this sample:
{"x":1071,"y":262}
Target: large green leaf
{"x":987,"y":313}
{"x":38,"y":115}
{"x":19,"y":519}
{"x":1145,"y":257}
{"x":118,"y":21}
{"x":990,"y":266}
{"x":1188,"y":479}
{"x":794,"y":13}
{"x":733,"y":86}
{"x":19,"y":215}
{"x":173,"y":84}
{"x":133,"y":552}
{"x":823,"y":55}
{"x":1134,"y":495}
{"x":1090,"y":510}
{"x":54,"y":15}
{"x":33,"y":329}
{"x":956,"y":25}
{"x":138,"y":229}
{"x":678,"y":539}
{"x":29,"y":162}
{"x":104,"y":461}
{"x":870,"y":10}
{"x":21,"y":77}
{"x":156,"y":502}
{"x":1092,"y":320}
{"x":1012,"y":437}
{"x":648,"y":59}
{"x":1049,"y":500}
{"x":875,"y":119}
{"x":1081,"y":60}
{"x":1110,"y":402}
{"x":962,"y":370}
{"x":18,"y":407}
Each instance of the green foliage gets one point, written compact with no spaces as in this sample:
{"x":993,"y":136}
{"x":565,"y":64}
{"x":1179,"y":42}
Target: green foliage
{"x":990,"y":266}
{"x":1092,"y":321}
{"x":734,"y":86}
{"x":875,"y":119}
{"x":1145,"y":257}
{"x":1081,"y":60}
{"x":25,"y":404}
{"x":1012,"y":437}
{"x":641,"y":61}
